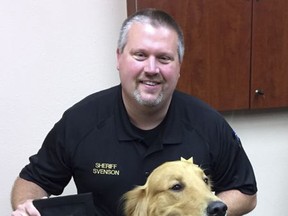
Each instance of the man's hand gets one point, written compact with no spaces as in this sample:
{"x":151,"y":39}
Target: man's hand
{"x":22,"y":196}
{"x":26,"y":209}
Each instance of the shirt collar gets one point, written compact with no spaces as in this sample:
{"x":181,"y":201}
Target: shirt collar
{"x":173,"y":132}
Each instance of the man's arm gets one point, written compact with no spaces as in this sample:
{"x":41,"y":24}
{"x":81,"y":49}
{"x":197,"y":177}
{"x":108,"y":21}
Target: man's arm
{"x":23,"y":193}
{"x":238,"y":203}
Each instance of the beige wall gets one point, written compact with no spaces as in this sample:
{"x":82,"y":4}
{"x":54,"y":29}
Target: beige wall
{"x":54,"y":53}
{"x":264,"y":135}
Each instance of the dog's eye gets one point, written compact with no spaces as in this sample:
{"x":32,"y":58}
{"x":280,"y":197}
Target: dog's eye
{"x":206,"y":180}
{"x":177,"y":187}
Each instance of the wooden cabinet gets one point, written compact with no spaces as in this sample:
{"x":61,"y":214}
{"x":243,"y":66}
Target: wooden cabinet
{"x":269,"y":54}
{"x":236,"y":53}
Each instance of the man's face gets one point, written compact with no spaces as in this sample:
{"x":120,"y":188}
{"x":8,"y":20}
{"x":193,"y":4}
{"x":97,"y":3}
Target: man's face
{"x":149,"y":66}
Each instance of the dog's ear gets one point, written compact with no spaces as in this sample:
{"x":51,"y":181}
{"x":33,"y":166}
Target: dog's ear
{"x":136,"y":202}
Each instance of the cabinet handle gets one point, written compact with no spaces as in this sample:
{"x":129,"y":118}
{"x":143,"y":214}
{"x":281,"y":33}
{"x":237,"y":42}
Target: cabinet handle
{"x":259,"y":92}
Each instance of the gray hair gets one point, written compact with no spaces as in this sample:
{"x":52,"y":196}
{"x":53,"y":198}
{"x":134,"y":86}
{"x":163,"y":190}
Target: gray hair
{"x":155,"y":18}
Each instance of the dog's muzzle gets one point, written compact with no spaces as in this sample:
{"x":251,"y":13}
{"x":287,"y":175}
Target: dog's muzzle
{"x":216,"y":208}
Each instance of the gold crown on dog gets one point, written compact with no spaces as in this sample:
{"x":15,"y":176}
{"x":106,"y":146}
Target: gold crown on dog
{"x":187,"y":160}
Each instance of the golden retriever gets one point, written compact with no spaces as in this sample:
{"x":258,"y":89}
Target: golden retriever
{"x":176,"y":188}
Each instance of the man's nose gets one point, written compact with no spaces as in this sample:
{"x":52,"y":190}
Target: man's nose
{"x":151,"y":65}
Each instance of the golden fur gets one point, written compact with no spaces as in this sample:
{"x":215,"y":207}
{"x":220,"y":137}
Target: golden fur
{"x":177,"y":188}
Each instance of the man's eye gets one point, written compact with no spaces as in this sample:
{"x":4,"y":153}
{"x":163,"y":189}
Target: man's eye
{"x":139,"y":56}
{"x":165,"y":59}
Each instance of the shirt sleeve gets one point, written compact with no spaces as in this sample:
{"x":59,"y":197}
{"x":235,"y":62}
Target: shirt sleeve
{"x":49,"y":168}
{"x":232,"y":168}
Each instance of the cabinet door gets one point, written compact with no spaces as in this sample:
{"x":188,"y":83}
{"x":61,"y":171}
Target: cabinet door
{"x":216,"y":65}
{"x":269,"y":68}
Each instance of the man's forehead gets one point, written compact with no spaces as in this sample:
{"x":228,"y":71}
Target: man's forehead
{"x":154,"y":25}
{"x":138,"y":29}
{"x":145,"y":36}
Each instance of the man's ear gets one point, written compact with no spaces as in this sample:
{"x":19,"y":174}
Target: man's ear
{"x":118,"y":53}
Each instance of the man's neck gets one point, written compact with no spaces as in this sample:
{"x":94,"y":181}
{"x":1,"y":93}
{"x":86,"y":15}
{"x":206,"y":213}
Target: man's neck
{"x":146,"y":117}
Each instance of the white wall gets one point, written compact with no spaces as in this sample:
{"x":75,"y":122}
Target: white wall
{"x":54,"y":53}
{"x":264,"y":135}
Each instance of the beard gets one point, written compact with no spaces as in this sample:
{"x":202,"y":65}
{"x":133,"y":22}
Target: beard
{"x":147,"y":102}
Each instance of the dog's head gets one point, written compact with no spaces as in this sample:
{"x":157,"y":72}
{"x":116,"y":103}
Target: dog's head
{"x":177,"y":188}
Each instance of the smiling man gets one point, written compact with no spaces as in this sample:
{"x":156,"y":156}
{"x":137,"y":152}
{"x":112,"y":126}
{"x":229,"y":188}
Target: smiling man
{"x":112,"y":140}
{"x":149,"y":71}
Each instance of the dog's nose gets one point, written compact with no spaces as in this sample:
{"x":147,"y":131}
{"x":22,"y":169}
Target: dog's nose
{"x":216,"y":208}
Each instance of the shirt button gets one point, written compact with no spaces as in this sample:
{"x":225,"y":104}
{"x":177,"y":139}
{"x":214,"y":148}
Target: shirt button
{"x":147,"y":174}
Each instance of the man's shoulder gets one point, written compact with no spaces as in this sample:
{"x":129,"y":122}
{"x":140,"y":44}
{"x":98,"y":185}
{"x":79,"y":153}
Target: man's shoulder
{"x":98,"y":105}
{"x":105,"y":96}
{"x":97,"y":100}
{"x":195,"y":111}
{"x":197,"y":115}
{"x":192,"y":104}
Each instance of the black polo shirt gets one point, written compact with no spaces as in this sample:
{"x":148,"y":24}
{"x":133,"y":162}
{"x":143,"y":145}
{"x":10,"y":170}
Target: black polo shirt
{"x":95,"y":143}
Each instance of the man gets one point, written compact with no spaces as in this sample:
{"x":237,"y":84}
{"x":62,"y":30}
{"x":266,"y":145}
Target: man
{"x":110,"y":141}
